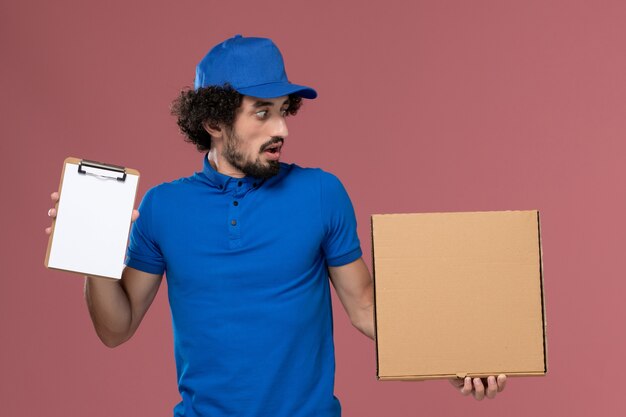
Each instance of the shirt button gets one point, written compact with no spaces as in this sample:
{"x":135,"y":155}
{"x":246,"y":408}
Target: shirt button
{"x":233,"y":222}
{"x":220,"y":186}
{"x":235,"y":203}
{"x":254,"y":184}
{"x":240,"y":183}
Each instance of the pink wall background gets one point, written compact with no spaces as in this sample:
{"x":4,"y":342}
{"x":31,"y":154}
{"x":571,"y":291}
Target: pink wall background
{"x":423,"y":106}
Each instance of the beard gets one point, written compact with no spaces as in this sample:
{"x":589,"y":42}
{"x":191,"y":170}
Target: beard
{"x":255,"y":168}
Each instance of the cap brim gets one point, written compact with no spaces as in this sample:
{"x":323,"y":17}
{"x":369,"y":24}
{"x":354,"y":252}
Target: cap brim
{"x":273,"y":90}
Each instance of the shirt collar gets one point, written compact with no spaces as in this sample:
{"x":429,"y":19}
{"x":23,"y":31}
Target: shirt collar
{"x":222,"y":182}
{"x":214,"y":178}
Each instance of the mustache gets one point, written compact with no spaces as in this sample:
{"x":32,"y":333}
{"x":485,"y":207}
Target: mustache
{"x":274,"y":140}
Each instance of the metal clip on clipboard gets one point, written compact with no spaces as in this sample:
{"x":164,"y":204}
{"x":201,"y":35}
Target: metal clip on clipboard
{"x":101,"y":170}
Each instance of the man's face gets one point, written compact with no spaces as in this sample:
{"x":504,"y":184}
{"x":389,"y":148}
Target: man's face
{"x":253,"y":144}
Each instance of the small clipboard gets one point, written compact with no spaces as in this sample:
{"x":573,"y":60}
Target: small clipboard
{"x":90,"y":232}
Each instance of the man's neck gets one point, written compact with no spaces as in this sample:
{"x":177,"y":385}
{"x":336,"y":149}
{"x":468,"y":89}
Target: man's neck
{"x":221,"y":165}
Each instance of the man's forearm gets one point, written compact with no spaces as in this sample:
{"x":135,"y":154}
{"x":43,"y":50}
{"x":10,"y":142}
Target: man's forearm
{"x":364,"y":321}
{"x":355,"y":289}
{"x":109,"y":309}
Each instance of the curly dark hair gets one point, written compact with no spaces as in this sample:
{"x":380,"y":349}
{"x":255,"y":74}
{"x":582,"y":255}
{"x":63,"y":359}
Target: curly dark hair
{"x":215,"y":105}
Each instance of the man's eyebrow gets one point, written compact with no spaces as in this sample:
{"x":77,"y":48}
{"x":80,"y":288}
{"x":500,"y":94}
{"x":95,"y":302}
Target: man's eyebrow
{"x":259,"y":103}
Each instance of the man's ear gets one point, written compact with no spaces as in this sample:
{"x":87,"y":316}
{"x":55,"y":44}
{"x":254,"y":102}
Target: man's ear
{"x":214,"y":130}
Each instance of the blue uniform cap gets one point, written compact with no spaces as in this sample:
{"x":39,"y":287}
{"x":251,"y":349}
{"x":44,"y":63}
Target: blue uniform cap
{"x":252,"y":66}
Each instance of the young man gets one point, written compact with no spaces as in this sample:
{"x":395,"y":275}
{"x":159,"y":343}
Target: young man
{"x":248,"y":244}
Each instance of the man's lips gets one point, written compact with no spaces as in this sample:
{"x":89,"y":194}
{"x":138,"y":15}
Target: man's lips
{"x":273,"y":151}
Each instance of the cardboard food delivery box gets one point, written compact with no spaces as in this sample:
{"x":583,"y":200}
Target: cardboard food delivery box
{"x":458,"y":294}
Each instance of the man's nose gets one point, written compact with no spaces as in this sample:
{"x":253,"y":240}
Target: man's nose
{"x":279,"y":128}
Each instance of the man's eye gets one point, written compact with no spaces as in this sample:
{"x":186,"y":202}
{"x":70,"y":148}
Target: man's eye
{"x":262,"y":113}
{"x":283,"y":112}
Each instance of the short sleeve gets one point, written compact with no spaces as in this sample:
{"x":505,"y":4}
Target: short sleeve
{"x":341,"y":243}
{"x":143,"y":252}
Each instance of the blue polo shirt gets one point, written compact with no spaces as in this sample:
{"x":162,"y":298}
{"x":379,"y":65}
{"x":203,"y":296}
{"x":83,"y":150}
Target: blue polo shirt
{"x":246,"y":266}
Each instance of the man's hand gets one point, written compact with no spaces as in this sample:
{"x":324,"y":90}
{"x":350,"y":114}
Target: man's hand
{"x":53,"y":211}
{"x":476,"y":386}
